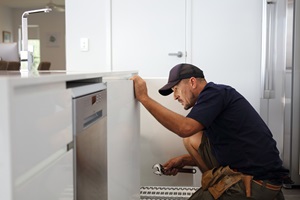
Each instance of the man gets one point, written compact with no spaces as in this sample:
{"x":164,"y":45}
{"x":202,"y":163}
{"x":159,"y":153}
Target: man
{"x":224,"y":135}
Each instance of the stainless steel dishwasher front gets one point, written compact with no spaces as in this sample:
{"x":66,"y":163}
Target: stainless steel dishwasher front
{"x":90,"y":144}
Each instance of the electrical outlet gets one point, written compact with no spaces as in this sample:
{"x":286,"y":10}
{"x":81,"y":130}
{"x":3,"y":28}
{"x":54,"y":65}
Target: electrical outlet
{"x":84,"y":44}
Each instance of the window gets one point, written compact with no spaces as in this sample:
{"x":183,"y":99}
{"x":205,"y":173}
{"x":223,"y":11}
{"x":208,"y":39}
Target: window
{"x":34,"y":46}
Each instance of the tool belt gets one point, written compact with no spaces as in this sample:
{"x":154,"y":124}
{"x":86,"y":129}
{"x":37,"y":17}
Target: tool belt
{"x":218,"y":180}
{"x":268,"y":185}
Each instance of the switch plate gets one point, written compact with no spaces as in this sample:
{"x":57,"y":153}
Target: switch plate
{"x":84,"y":44}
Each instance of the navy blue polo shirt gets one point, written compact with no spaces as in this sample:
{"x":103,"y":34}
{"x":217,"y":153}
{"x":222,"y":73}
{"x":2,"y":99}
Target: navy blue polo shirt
{"x":238,"y":135}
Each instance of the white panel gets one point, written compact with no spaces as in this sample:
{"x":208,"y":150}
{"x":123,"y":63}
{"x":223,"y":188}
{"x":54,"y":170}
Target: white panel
{"x":226,"y":43}
{"x":158,"y":144}
{"x":5,"y":146}
{"x":42,"y":124}
{"x":123,"y":141}
{"x":145,"y":32}
{"x":91,"y":21}
{"x":54,"y":183}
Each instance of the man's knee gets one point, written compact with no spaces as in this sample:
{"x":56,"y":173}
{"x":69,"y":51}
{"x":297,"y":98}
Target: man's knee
{"x":186,"y":141}
{"x":193,"y":141}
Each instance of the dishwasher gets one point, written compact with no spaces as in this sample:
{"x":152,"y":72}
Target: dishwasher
{"x":90,"y":142}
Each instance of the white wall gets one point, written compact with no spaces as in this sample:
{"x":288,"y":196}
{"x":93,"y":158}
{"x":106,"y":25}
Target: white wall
{"x":226,"y":43}
{"x":6,"y":22}
{"x":88,"y":19}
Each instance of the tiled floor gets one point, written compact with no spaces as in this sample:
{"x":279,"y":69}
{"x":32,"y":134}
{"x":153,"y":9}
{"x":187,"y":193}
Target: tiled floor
{"x":291,"y":194}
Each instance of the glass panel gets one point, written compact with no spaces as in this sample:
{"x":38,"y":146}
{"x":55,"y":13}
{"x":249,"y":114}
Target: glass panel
{"x":34,"y":46}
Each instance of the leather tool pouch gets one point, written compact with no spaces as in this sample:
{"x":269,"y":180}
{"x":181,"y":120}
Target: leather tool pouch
{"x":218,"y":180}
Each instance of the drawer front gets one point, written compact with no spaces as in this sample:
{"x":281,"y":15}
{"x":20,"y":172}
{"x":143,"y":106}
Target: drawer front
{"x":41,"y":124}
{"x":54,"y":182}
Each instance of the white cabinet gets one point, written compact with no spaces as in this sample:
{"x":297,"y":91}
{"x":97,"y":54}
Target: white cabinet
{"x":36,"y":127}
{"x":36,"y":135}
{"x":41,"y":123}
{"x":123,"y":141}
{"x":53,"y":182}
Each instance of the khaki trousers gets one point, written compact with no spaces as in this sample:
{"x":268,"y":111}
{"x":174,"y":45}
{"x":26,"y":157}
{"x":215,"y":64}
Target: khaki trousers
{"x":237,"y":191}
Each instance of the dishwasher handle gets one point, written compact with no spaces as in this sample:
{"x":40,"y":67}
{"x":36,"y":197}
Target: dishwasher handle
{"x":92,"y":118}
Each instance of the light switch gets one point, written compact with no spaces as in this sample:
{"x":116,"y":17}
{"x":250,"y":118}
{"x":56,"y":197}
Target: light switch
{"x":84,"y":44}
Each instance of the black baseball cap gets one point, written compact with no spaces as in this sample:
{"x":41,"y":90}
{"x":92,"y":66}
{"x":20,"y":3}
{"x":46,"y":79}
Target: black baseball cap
{"x":179,"y":72}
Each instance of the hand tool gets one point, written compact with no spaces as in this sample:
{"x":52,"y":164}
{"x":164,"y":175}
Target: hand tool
{"x":160,"y":170}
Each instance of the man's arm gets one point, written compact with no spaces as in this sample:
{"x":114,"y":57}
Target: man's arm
{"x":182,"y":126}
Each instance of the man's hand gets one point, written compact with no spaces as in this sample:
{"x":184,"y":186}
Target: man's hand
{"x":140,"y":88}
{"x":171,"y":167}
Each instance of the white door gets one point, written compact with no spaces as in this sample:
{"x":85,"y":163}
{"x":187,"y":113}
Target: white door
{"x":145,"y":32}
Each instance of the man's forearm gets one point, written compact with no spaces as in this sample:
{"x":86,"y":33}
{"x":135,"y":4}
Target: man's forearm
{"x":188,"y":160}
{"x":166,"y":117}
{"x":169,"y":119}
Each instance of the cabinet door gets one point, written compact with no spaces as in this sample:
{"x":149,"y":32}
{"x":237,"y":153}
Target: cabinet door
{"x":55,"y":182}
{"x":144,"y":32}
{"x":41,"y":121}
{"x":123,"y":141}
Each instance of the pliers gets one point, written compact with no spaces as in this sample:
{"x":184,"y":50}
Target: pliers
{"x":160,"y":170}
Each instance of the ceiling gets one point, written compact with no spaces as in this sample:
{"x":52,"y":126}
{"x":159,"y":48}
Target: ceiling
{"x":29,"y":4}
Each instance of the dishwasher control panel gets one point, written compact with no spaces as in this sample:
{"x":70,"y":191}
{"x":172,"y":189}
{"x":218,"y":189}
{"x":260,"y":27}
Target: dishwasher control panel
{"x":89,"y":108}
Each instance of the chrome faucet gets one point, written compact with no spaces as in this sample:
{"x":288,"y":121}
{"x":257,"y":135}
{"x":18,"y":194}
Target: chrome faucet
{"x":25,"y":54}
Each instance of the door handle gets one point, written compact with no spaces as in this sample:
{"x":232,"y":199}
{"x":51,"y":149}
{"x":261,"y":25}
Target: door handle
{"x":179,"y":54}
{"x":268,"y":58}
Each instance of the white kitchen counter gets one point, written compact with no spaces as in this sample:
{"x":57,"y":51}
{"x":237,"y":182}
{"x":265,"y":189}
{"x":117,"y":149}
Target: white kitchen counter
{"x":36,"y":127}
{"x":38,"y":77}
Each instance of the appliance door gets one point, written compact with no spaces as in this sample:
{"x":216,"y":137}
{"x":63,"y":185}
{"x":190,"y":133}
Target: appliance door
{"x":291,"y":155}
{"x":90,"y":117}
{"x":280,"y":100}
{"x":294,"y":140}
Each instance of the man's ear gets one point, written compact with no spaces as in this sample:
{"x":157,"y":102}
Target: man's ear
{"x":193,"y":82}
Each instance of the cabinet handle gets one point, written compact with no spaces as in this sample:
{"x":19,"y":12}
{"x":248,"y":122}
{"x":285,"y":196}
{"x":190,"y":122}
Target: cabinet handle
{"x":179,"y":54}
{"x":268,"y":49}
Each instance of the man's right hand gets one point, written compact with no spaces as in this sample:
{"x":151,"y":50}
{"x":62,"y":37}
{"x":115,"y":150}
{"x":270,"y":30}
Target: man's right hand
{"x":140,"y":88}
{"x":171,"y":167}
